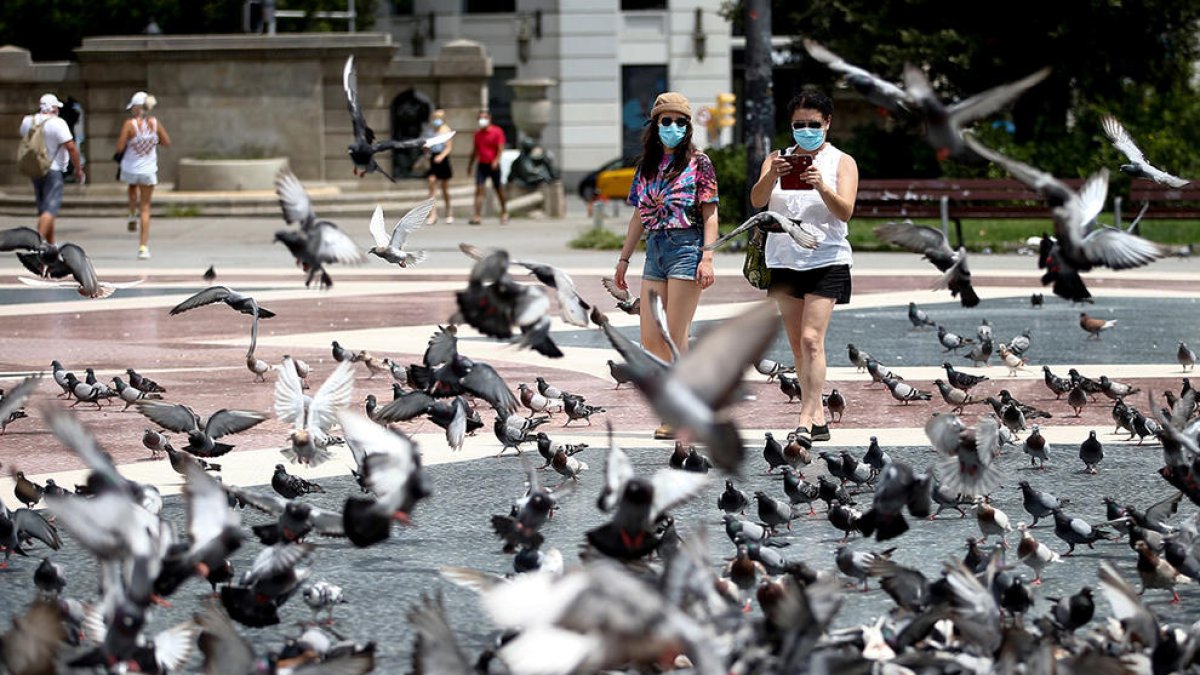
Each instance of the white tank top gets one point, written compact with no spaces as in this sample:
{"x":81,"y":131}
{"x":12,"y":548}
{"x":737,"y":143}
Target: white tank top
{"x":141,"y":151}
{"x":806,"y":206}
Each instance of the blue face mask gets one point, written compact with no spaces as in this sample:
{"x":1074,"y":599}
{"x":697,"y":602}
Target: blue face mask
{"x":808,"y":139}
{"x":672,"y":135}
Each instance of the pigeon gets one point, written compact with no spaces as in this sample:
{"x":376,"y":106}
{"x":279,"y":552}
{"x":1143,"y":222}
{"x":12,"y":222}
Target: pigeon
{"x":1011,"y":360}
{"x":1036,"y":447}
{"x":845,"y":518}
{"x":931,"y":243}
{"x":1037,"y":503}
{"x":1137,"y":167}
{"x":798,"y":491}
{"x":875,"y":457}
{"x":532,"y":399}
{"x":1076,"y":531}
{"x":1020,"y":344}
{"x":919,"y":318}
{"x":12,"y":400}
{"x":1057,"y":385}
{"x":797,"y":451}
{"x":548,"y":447}
{"x":904,"y":392}
{"x":391,"y":471}
{"x":202,"y":434}
{"x":363,"y":149}
{"x":1077,"y":399}
{"x":514,"y":430}
{"x":576,"y":409}
{"x":992,"y":521}
{"x":837,"y":405}
{"x":1080,"y":243}
{"x":324,"y":595}
{"x":790,"y":386}
{"x":773,"y":512}
{"x":446,"y":373}
{"x":1186,"y":357}
{"x":1034,"y":553}
{"x":951,"y":341}
{"x":773,"y":369}
{"x":391,"y":247}
{"x":858,"y":357}
{"x":55,"y":261}
{"x":292,"y":487}
{"x":691,"y":398}
{"x":1073,"y":611}
{"x":131,"y":395}
{"x":567,"y":466}
{"x":1116,"y":390}
{"x":967,"y":457}
{"x":956,"y":398}
{"x":1091,"y":452}
{"x":773,"y":453}
{"x":620,"y":373}
{"x":572,"y":307}
{"x":876,"y":90}
{"x":897,"y":488}
{"x":960,"y":380}
{"x":318,"y":242}
{"x":1156,"y":572}
{"x":313,"y":417}
{"x":1012,"y":418}
{"x":858,"y":564}
{"x":732,"y":499}
{"x":236,"y":301}
{"x":943,"y":124}
{"x":1067,"y":284}
{"x":27,"y":492}
{"x":494,"y":303}
{"x":980,"y":353}
{"x":625,"y":300}
{"x":48,"y":577}
{"x":1037,"y":301}
{"x":1095,"y":326}
{"x":769,"y":221}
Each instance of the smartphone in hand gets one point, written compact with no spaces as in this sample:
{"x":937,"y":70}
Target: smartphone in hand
{"x":792,"y":179}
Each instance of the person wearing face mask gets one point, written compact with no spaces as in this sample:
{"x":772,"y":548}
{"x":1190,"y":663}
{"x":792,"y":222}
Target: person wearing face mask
{"x":807,"y":283}
{"x":674,"y":195}
{"x":489,"y":143}
{"x":439,"y":165}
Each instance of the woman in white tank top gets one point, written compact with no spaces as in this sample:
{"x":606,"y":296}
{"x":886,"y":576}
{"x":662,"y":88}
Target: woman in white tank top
{"x":807,"y":283}
{"x":138,"y":148}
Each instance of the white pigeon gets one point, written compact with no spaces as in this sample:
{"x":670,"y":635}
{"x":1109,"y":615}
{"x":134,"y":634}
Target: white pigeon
{"x":1137,"y":167}
{"x":1034,"y":553}
{"x":311,"y":416}
{"x":391,"y":248}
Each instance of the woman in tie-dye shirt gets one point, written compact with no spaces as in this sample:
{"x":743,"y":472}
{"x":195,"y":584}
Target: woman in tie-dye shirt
{"x":675,"y":197}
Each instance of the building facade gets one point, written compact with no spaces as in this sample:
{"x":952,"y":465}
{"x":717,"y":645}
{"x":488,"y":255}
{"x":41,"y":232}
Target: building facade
{"x":609,"y":58}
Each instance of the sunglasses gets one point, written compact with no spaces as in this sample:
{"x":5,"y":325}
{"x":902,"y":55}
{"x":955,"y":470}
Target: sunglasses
{"x":807,"y":125}
{"x":677,"y":121}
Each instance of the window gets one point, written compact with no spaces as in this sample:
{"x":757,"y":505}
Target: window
{"x":402,"y":7}
{"x":500,"y":97}
{"x":635,"y":5}
{"x":489,"y":6}
{"x":640,"y":85}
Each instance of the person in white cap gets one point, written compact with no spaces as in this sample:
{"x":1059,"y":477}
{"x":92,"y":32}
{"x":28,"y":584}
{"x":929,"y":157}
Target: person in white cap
{"x":60,"y":146}
{"x":138,"y":147}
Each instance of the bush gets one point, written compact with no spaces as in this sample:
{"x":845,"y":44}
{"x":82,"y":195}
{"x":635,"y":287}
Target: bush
{"x":599,"y":239}
{"x":730,"y":165}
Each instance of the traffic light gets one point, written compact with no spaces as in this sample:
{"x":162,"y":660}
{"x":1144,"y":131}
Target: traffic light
{"x":726,"y":111}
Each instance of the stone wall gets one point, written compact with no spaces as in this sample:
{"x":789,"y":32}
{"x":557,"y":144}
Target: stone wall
{"x":240,"y":96}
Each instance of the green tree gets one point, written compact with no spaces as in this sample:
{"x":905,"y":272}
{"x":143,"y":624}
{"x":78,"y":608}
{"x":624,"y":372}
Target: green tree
{"x":52,"y":29}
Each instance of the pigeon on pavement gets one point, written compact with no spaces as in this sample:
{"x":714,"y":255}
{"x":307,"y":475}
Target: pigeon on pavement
{"x":1186,"y":357}
{"x":1094,"y":326}
{"x":1091,"y":451}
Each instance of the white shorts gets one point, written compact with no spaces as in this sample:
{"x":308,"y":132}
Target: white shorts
{"x":139,"y":178}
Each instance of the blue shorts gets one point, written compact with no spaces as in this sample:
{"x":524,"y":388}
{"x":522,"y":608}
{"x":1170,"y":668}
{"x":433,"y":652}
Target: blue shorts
{"x":48,"y":192}
{"x":672,"y":254}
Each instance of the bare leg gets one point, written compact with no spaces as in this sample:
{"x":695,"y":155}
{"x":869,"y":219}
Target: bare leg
{"x":817,"y":312}
{"x":683,"y":295}
{"x":446,"y":196}
{"x":478,"y":203}
{"x":432,"y":180}
{"x":503,"y":202}
{"x":46,"y":226}
{"x":651,"y":341}
{"x":145,"y":192}
{"x":133,"y":202}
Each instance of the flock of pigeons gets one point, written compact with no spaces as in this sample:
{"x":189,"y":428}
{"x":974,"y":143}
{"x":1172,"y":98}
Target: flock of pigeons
{"x":647,"y":596}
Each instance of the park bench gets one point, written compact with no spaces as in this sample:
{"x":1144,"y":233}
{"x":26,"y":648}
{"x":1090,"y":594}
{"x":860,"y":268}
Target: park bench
{"x":1165,"y":201}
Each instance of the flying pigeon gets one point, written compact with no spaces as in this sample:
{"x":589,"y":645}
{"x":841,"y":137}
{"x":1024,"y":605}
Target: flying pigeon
{"x":1137,"y":167}
{"x":391,"y":247}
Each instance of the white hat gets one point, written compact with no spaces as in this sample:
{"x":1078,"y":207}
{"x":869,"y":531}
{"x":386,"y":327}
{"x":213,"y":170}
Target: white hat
{"x":48,"y":102}
{"x":139,"y":98}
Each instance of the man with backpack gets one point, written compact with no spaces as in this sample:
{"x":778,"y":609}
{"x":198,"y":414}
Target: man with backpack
{"x":43,"y":154}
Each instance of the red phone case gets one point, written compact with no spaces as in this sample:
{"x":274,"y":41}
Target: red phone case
{"x":791,"y":180}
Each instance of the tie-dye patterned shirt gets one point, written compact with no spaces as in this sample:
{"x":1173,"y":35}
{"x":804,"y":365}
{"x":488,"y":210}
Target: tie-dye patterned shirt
{"x":674,"y":204}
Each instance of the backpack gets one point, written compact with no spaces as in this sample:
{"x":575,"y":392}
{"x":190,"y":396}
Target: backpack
{"x":33,"y":159}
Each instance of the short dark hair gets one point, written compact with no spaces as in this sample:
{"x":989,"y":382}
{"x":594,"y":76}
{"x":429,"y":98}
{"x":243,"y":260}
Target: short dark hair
{"x":811,"y":99}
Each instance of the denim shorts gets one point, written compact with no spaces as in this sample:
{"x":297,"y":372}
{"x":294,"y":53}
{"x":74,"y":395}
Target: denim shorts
{"x":672,"y":254}
{"x":48,"y":192}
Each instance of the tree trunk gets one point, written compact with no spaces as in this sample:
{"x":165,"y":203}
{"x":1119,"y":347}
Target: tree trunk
{"x":758,"y":104}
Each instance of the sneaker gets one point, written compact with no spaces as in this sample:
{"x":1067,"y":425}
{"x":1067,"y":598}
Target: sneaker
{"x":449,"y":220}
{"x":504,"y":218}
{"x":820,"y":432}
{"x":143,"y":253}
{"x":132,"y":222}
{"x":664,"y":433}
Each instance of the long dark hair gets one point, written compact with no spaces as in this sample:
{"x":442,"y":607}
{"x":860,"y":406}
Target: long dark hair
{"x":652,"y":152}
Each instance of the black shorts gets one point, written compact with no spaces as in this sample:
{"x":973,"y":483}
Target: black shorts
{"x":827,"y":282}
{"x":485,"y":172}
{"x":440,"y":170}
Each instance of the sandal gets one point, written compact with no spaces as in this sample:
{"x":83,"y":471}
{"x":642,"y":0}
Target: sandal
{"x":474,"y":221}
{"x":820,"y":432}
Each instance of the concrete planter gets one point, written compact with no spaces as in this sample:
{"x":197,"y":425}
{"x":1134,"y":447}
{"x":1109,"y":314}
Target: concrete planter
{"x":228,"y":175}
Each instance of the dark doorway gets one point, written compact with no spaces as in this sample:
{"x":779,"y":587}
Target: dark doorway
{"x":640,"y":85}
{"x":410,"y":113}
{"x":500,"y":97}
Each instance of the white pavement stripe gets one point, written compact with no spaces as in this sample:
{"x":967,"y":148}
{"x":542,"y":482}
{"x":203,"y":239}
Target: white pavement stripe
{"x":254,"y":467}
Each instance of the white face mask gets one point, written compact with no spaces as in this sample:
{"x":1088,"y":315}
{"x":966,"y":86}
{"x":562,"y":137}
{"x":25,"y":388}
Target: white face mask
{"x":484,"y":122}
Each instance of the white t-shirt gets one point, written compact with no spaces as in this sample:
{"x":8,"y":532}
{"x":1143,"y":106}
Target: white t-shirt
{"x":56,"y":133}
{"x":807,"y":206}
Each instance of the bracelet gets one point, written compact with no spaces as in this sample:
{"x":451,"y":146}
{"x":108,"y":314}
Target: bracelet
{"x":623,"y":260}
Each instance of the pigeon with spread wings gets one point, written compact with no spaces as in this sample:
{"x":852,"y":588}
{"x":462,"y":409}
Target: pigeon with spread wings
{"x":770,"y":221}
{"x":317,"y":242}
{"x":692,"y":394}
{"x":362,"y":151}
{"x":875,"y":89}
{"x":311,"y":417}
{"x":1137,"y":167}
{"x":202,"y":434}
{"x":931,"y":243}
{"x":391,"y":248}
